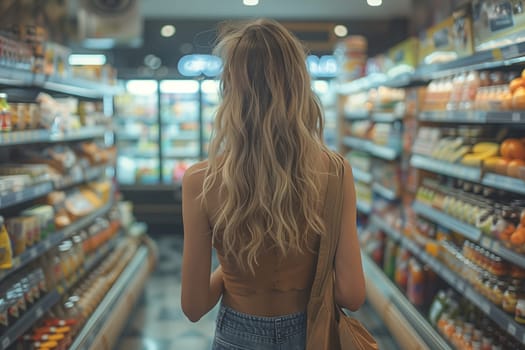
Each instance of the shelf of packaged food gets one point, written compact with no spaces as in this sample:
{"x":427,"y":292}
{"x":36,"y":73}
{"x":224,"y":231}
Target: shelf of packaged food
{"x":506,"y":253}
{"x":136,"y":119}
{"x":507,"y":183}
{"x":136,"y":153}
{"x":487,"y":59}
{"x":180,"y":155}
{"x":386,"y":228}
{"x":27,"y":320}
{"x":372,"y":81}
{"x":39,"y":190}
{"x":357,"y":115}
{"x":384,"y":192}
{"x":52,"y":240}
{"x":182,"y":136}
{"x":173,"y":119}
{"x":368,"y":146}
{"x":51,"y":298}
{"x":361,"y":175}
{"x":385,"y":117}
{"x":107,"y":320}
{"x":27,"y":194}
{"x":474,"y":117}
{"x":101,"y":253}
{"x":45,"y":136}
{"x":468,"y":173}
{"x":363,"y":207}
{"x":468,"y":231}
{"x":445,"y":168}
{"x":412,"y":330}
{"x":506,"y":321}
{"x":71,"y":85}
{"x":87,"y":175}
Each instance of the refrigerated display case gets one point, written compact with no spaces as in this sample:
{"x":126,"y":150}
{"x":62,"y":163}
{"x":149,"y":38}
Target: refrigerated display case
{"x":137,"y":133}
{"x":210,"y":102}
{"x":325,"y":90}
{"x":180,"y":127}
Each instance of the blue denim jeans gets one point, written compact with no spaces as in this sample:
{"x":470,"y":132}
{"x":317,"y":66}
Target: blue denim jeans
{"x":238,"y":331}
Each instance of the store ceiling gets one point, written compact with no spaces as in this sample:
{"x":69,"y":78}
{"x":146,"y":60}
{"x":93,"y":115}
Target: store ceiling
{"x":277,"y":9}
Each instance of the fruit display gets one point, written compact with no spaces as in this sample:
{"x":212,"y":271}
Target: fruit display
{"x":502,"y":152}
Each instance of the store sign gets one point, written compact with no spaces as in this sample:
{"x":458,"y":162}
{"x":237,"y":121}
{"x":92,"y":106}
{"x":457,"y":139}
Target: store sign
{"x":196,"y":65}
{"x":322,"y":67}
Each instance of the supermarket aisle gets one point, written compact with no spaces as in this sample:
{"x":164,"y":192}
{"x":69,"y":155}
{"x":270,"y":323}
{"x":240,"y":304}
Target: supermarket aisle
{"x":159,"y":324}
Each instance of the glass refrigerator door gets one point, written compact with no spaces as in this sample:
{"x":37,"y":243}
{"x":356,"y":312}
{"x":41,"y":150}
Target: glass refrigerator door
{"x":325,"y":90}
{"x":180,"y":127}
{"x":210,"y":103}
{"x":137,"y":133}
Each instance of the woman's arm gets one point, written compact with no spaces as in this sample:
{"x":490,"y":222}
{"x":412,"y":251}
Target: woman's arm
{"x":200,"y":291}
{"x":350,"y":291}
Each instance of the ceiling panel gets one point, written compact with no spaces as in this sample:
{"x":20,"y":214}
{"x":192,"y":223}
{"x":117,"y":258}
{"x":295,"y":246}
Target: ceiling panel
{"x":278,"y":9}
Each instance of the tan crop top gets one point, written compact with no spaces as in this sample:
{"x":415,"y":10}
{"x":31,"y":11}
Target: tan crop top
{"x":281,"y":284}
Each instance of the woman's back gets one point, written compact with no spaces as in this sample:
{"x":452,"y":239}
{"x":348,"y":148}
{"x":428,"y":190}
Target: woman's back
{"x":280,"y":283}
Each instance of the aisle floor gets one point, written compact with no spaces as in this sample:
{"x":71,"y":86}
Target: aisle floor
{"x":158,"y":323}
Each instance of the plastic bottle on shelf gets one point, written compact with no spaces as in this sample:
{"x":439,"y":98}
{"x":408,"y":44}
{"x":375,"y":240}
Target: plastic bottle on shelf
{"x":6,"y":251}
{"x":456,"y":92}
{"x":5,"y":114}
{"x":470,"y":89}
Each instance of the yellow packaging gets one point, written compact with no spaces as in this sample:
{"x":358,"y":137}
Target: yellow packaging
{"x":404,"y":53}
{"x":6,"y":252}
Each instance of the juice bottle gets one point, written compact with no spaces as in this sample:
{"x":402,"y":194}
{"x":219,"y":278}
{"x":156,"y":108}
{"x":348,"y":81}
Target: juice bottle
{"x":5,"y":113}
{"x":6,"y":252}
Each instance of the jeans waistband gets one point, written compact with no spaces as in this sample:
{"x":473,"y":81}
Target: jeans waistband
{"x":288,"y":324}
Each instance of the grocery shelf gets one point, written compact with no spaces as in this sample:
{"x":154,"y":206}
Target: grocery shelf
{"x":135,"y":153}
{"x":385,"y":227}
{"x":384,"y":192}
{"x":25,"y":322}
{"x":385,"y":117}
{"x":45,"y":136}
{"x":504,"y":252}
{"x":504,"y":183}
{"x":383,"y":152}
{"x":361,"y":175}
{"x":180,"y":155}
{"x":498,"y":57}
{"x":364,"y":208}
{"x":474,"y":117}
{"x":446,"y":168}
{"x":52,"y":240}
{"x":376,"y":80}
{"x":448,"y":221}
{"x":469,"y":232}
{"x":127,"y":287}
{"x":44,"y":188}
{"x":71,"y":85}
{"x":100,"y":254}
{"x":27,"y":194}
{"x":357,"y":115}
{"x":392,"y":296}
{"x":505,"y":321}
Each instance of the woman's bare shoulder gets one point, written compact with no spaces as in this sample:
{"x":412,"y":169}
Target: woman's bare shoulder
{"x":194,"y":176}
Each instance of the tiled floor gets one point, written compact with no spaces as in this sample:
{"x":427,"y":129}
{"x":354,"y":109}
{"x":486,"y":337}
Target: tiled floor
{"x":158,"y":323}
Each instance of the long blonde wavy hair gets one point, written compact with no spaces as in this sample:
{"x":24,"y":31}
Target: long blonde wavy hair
{"x":266,"y":149}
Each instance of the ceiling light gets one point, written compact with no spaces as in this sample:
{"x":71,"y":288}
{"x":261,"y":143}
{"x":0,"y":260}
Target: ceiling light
{"x":87,"y":60}
{"x":250,"y":2}
{"x":340,"y":30}
{"x":374,"y":2}
{"x":167,"y":31}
